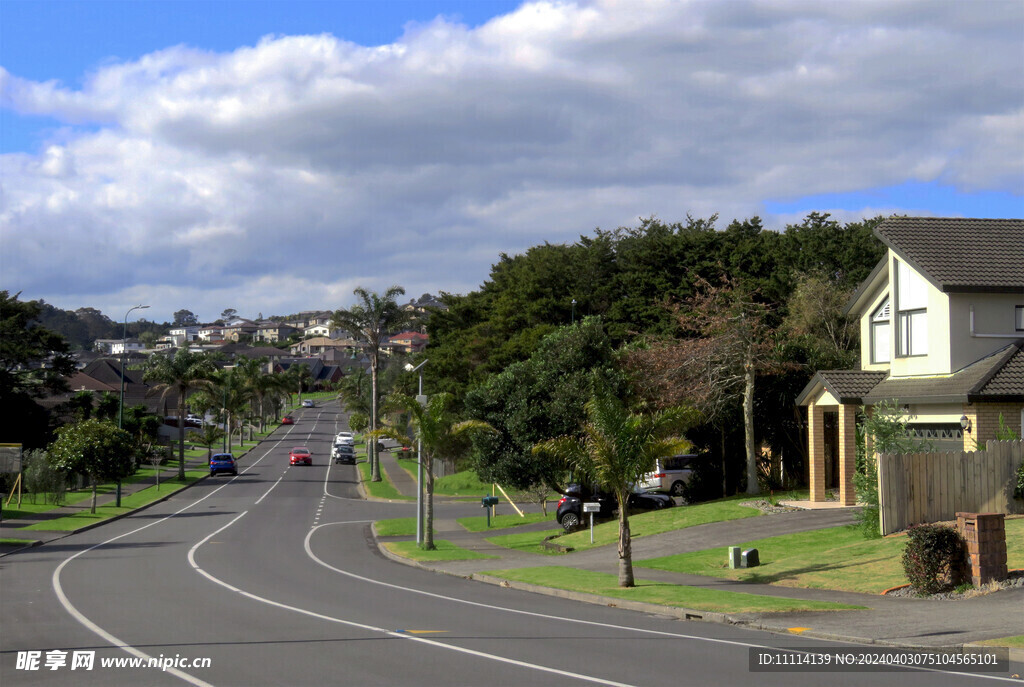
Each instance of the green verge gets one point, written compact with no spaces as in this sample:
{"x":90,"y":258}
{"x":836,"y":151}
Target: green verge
{"x":643,"y":524}
{"x":141,"y":498}
{"x":664,"y":594}
{"x":527,"y":542}
{"x":478,"y":523}
{"x":446,"y":551}
{"x":837,"y":558}
{"x":1009,"y":642}
{"x":396,"y":527}
{"x":380,"y":490}
{"x":12,"y":542}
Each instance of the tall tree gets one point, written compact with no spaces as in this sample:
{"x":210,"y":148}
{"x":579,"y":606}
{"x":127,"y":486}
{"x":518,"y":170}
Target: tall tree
{"x":728,"y":341}
{"x":185,"y":318}
{"x":372,"y":319}
{"x":180,"y":375}
{"x":439,"y":434}
{"x":95,"y":448}
{"x":617,"y":447}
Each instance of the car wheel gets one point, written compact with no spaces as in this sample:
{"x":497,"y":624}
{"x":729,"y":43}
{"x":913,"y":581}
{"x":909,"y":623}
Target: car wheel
{"x":570,"y":521}
{"x":678,"y":488}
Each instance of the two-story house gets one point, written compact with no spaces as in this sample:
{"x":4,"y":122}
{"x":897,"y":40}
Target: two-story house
{"x":942,"y":335}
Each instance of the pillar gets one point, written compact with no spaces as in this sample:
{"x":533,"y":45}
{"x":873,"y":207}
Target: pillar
{"x":847,"y":454}
{"x":816,"y":439}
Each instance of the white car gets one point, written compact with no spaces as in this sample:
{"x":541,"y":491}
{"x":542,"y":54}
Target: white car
{"x":307,"y":403}
{"x":345,"y":438}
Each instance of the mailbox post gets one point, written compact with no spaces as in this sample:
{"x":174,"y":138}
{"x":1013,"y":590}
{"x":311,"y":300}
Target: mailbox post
{"x":489,"y":502}
{"x":592,"y":507}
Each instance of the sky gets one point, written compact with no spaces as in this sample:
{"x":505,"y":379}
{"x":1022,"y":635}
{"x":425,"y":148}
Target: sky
{"x":270,"y":157}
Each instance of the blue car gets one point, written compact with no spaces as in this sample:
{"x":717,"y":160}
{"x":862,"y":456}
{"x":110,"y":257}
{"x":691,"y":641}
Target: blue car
{"x":223,"y":462}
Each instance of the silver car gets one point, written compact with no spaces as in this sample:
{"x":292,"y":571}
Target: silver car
{"x":670,"y":475}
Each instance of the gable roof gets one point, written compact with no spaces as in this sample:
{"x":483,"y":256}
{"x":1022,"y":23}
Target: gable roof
{"x":847,"y":386}
{"x":960,"y":254}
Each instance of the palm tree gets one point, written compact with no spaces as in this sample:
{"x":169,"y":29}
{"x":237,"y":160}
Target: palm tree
{"x":439,"y":434}
{"x":232,"y":396}
{"x":373,"y":318}
{"x":259,"y":384}
{"x":181,"y":374}
{"x":615,"y":449}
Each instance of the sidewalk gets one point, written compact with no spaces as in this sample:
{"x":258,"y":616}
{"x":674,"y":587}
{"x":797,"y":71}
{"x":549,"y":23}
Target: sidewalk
{"x":887,"y":620}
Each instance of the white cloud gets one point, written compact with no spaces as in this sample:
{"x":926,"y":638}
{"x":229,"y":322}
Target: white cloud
{"x":278,"y":176}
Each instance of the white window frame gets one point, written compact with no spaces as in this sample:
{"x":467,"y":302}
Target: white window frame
{"x":881,"y":320}
{"x":911,"y":295}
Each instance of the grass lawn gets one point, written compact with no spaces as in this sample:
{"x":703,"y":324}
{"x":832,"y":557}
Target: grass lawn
{"x":478,"y":523}
{"x":128,"y":503}
{"x":653,"y":522}
{"x":396,"y":527}
{"x":446,"y":551}
{"x":464,"y":483}
{"x":530,"y":542}
{"x":1010,"y":642}
{"x":835,"y":558}
{"x":380,"y":490}
{"x":8,"y":541}
{"x":661,"y":593}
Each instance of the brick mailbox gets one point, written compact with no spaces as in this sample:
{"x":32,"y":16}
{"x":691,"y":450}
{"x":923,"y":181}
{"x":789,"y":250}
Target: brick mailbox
{"x":985,"y":534}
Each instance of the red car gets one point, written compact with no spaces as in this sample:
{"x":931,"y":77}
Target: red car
{"x":300,"y":454}
{"x":287,"y":420}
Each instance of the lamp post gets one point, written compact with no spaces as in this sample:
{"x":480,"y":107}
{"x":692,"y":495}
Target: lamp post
{"x":574,"y":311}
{"x":422,"y":400}
{"x":120,"y":402}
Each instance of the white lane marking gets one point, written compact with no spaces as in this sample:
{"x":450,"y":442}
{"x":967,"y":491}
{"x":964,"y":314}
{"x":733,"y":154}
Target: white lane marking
{"x":385,"y":631}
{"x":271,"y":487}
{"x":676,"y":635}
{"x":96,"y":629}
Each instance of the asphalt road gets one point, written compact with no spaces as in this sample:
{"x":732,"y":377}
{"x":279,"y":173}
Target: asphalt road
{"x":272,"y":578}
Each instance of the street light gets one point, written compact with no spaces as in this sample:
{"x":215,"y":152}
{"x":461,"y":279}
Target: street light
{"x":422,"y":400}
{"x":574,"y":311}
{"x":120,"y":402}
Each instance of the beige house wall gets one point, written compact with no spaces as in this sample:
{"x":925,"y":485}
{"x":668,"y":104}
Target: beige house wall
{"x":984,"y":419}
{"x":993,"y":320}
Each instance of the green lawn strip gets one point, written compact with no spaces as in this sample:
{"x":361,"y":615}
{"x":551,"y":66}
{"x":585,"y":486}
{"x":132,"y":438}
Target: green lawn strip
{"x":656,"y":522}
{"x":396,"y":527}
{"x":128,"y":503}
{"x":836,"y":558}
{"x":380,"y":490}
{"x":465,"y":483}
{"x":1009,"y":642}
{"x":9,"y":541}
{"x":446,"y":551}
{"x":478,"y":523}
{"x":697,"y":598}
{"x":530,"y":542}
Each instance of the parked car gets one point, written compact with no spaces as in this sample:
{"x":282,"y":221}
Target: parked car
{"x":223,"y":462}
{"x":343,"y":454}
{"x":670,"y":475}
{"x":569,"y":513}
{"x":300,"y":454}
{"x":193,"y":420}
{"x":307,"y":403}
{"x":287,"y":420}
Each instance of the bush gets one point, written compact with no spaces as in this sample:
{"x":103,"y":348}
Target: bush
{"x":1018,"y":491}
{"x":935,"y":558}
{"x":705,"y":482}
{"x":42,"y":478}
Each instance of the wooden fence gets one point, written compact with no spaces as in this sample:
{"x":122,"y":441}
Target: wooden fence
{"x":918,"y":488}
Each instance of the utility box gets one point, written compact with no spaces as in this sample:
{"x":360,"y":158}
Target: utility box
{"x":985,"y":534}
{"x":749,"y":559}
{"x":734,"y":557}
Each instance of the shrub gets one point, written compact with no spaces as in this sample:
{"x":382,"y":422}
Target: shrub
{"x":42,"y":478}
{"x":1018,"y":491}
{"x":705,"y":482}
{"x":935,"y":558}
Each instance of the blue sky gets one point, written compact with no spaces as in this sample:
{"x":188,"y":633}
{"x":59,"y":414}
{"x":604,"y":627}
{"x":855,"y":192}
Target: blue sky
{"x":271,"y":156}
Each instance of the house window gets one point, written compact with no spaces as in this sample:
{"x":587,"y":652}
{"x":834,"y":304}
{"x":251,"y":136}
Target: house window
{"x":1018,"y":317}
{"x":880,"y":333}
{"x":911,"y":312}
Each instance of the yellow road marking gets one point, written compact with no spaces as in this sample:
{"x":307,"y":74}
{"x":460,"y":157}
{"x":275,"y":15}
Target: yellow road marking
{"x":798,"y":630}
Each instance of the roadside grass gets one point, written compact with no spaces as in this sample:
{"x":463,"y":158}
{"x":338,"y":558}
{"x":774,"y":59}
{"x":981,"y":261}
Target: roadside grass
{"x":380,"y":490}
{"x":836,"y":558}
{"x":528,"y":542}
{"x":478,"y":523}
{"x":465,"y":483}
{"x":9,"y":541}
{"x":446,"y":551}
{"x":1009,"y":642}
{"x":652,"y":522}
{"x":697,"y":598}
{"x":129,"y":503}
{"x":396,"y":527}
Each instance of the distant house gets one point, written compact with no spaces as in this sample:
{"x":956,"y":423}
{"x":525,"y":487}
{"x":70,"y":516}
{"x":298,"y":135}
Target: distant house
{"x":127,"y":346}
{"x":211,"y":332}
{"x":942,"y":334}
{"x":321,"y":374}
{"x":317,"y":346}
{"x":407,"y":342}
{"x":182,"y":335}
{"x":323,"y":330}
{"x":272,"y":332}
{"x":239,"y":328}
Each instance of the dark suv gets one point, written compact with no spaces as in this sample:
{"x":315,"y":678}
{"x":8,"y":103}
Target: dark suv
{"x":570,"y":513}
